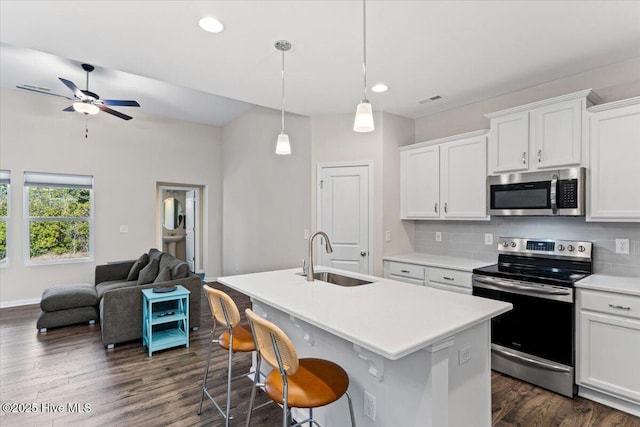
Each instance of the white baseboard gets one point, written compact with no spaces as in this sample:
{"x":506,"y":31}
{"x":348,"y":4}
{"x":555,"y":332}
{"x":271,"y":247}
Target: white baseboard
{"x":210,"y":279}
{"x":608,"y":400}
{"x":18,"y":303}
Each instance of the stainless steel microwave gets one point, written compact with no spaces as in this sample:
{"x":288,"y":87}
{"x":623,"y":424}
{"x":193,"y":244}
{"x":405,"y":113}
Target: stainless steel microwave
{"x":549,"y":193}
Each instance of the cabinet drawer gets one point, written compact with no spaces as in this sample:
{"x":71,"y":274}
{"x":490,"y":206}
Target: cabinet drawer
{"x":406,"y":270}
{"x":612,"y":303}
{"x":450,"y":277}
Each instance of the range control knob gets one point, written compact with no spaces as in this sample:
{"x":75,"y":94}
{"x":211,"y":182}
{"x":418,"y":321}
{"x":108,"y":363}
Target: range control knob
{"x":505,"y":244}
{"x":513,"y":244}
{"x":581,"y":248}
{"x":570,"y":248}
{"x":560,"y":248}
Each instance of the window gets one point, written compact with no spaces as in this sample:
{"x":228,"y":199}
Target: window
{"x":58,"y":209}
{"x":5,"y":180}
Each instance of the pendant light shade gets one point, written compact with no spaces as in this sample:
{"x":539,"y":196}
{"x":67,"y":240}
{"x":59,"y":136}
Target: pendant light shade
{"x":364,"y":113}
{"x":283,"y":147}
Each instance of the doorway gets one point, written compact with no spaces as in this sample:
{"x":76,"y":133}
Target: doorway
{"x":180,"y":222}
{"x":346,"y":215}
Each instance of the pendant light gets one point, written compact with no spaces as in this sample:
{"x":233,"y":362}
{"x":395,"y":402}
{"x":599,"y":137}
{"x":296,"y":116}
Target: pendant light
{"x":282,"y":145}
{"x":364,"y":114}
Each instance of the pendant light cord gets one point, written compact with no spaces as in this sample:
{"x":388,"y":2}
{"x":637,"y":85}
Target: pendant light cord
{"x":364,"y":49}
{"x":283,"y":91}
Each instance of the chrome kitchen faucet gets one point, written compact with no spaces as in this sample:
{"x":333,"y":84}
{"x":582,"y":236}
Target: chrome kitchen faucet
{"x":327,"y":247}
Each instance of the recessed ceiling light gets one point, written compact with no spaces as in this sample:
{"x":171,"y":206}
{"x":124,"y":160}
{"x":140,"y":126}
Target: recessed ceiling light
{"x":211,"y":25}
{"x":380,"y":87}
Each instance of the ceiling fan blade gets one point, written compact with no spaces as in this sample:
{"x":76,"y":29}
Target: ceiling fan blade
{"x":44,"y":92}
{"x":120,"y":102}
{"x":69,"y":108}
{"x":114,"y":112}
{"x":76,"y":92}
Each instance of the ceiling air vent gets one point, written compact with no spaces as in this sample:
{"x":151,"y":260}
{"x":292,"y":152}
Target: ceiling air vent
{"x":430,"y":99}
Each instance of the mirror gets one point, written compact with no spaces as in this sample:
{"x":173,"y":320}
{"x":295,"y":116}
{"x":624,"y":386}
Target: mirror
{"x":173,"y":213}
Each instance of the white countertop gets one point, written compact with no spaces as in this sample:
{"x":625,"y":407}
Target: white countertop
{"x":390,"y":318}
{"x":603,"y":282}
{"x":429,"y":260}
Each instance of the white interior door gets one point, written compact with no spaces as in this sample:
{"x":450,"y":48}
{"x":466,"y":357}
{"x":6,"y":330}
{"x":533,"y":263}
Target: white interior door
{"x":344,"y":215}
{"x":190,"y":227}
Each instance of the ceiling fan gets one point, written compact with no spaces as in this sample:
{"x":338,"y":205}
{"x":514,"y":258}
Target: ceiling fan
{"x":85,"y":101}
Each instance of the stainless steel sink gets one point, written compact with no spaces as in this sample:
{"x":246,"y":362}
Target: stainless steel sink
{"x":337,"y":279}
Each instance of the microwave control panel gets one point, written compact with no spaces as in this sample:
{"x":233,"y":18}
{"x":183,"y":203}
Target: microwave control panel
{"x":568,"y":193}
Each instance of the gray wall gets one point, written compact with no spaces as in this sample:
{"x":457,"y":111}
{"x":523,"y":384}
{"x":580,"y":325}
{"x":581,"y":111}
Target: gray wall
{"x":266,"y":199}
{"x":466,"y":239}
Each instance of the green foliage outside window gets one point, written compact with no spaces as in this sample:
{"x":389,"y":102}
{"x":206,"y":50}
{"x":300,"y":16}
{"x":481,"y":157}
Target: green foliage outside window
{"x":59,"y":223}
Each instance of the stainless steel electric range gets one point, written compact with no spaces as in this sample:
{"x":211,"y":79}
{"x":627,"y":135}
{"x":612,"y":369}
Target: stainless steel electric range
{"x":535,"y":341}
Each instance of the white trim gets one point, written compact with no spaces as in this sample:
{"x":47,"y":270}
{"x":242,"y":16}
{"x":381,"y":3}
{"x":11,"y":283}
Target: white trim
{"x":209,"y":279}
{"x":473,"y":134}
{"x":20,"y":302}
{"x":369,"y":165}
{"x":590,"y":95}
{"x":615,"y":104}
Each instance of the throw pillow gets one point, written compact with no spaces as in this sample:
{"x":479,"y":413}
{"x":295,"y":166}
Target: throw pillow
{"x":163,"y":276}
{"x":137,"y":266}
{"x":154,"y":254}
{"x":148,"y":274}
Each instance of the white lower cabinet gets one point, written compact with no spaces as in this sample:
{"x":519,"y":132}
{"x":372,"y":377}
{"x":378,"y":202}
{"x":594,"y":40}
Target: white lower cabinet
{"x":608,"y":361}
{"x":404,"y":272}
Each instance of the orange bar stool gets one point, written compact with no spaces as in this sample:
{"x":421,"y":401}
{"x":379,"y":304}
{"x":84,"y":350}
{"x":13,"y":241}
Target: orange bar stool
{"x":234,"y":339}
{"x":295,"y":383}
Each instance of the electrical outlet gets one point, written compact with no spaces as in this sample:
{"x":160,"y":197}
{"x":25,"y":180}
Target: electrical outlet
{"x":438,"y":236}
{"x":124,"y":228}
{"x":306,"y":234}
{"x":370,"y":405}
{"x":387,"y":236}
{"x":464,"y":355}
{"x":622,"y":246}
{"x":488,"y":238}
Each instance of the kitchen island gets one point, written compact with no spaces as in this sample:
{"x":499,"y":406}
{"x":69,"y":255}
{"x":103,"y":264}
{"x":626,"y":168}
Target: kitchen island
{"x":421,"y":355}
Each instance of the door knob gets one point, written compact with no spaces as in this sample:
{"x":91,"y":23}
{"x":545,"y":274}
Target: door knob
{"x":363,"y":253}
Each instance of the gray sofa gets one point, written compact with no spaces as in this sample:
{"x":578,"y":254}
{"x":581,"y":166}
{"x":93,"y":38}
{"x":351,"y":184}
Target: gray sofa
{"x":120,"y":300}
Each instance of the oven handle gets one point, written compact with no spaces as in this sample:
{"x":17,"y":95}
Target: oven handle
{"x":554,"y":194}
{"x":529,"y":361}
{"x":508,"y":286}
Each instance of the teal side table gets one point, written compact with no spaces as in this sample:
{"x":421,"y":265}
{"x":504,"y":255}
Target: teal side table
{"x":151,"y":316}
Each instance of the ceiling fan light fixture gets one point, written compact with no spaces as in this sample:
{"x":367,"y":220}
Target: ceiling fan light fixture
{"x":85,"y":108}
{"x":211,"y":25}
{"x":283,"y":147}
{"x":364,"y":117}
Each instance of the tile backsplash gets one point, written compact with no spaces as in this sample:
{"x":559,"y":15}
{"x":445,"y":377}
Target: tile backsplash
{"x":467,"y":239}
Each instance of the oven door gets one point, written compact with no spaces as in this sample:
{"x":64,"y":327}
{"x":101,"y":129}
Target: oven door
{"x":541,"y":322}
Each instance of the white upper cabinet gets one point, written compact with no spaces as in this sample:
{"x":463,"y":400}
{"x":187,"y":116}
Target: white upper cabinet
{"x":445,"y":178}
{"x":542,"y":135}
{"x":613,"y":180}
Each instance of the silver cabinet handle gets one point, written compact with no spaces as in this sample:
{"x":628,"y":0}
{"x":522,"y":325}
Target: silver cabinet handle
{"x":445,"y":207}
{"x":524,"y":155}
{"x":539,"y":156}
{"x":448,"y":278}
{"x":435,"y":207}
{"x":405,"y":271}
{"x":619,"y":307}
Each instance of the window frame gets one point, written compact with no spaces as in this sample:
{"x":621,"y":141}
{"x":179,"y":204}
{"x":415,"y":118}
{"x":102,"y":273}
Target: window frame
{"x":5,"y":178}
{"x":60,"y":180}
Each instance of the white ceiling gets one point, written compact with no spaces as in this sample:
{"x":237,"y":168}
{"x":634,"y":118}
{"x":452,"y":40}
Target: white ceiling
{"x":465,"y":51}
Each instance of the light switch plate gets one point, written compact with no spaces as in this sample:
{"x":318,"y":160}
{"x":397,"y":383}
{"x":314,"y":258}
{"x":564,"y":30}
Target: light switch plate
{"x":124,"y":228}
{"x":387,"y":236}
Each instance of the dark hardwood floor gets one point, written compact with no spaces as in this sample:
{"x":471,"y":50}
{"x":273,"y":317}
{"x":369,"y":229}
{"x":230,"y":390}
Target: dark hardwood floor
{"x":49,"y":373}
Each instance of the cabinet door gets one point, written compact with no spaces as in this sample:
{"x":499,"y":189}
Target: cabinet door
{"x":509,"y":143}
{"x":556,"y":135}
{"x":420,"y":183}
{"x":463,"y":177}
{"x":614,"y":150}
{"x":609,"y":349}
